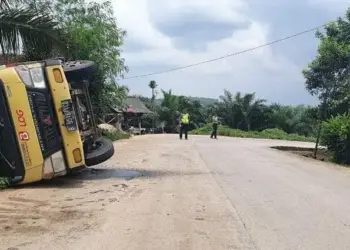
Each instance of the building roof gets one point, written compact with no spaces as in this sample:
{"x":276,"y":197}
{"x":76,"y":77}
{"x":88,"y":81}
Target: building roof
{"x":134,"y":105}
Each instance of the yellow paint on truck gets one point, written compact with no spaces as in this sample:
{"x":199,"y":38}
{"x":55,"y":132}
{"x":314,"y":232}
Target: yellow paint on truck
{"x":27,"y":137}
{"x":60,"y":92}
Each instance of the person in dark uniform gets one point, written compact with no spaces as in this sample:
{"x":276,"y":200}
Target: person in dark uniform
{"x":184,"y":123}
{"x":214,"y":133}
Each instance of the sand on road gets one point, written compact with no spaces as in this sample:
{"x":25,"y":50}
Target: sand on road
{"x":158,"y":192}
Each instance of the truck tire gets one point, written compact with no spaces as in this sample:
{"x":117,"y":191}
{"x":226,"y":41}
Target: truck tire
{"x":77,"y":71}
{"x":103,"y":152}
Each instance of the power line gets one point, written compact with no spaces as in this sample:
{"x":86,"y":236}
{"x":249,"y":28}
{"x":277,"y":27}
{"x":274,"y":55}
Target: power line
{"x":225,"y":56}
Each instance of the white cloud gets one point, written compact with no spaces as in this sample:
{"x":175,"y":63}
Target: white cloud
{"x":219,"y":10}
{"x":135,"y":18}
{"x":261,"y":71}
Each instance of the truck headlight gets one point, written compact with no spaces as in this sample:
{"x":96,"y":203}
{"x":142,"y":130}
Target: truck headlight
{"x":38,"y":78}
{"x":54,"y":166}
{"x":24,"y":74}
{"x":32,"y":75}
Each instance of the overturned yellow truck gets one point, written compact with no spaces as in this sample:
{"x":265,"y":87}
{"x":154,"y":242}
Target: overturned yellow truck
{"x":47,"y":126}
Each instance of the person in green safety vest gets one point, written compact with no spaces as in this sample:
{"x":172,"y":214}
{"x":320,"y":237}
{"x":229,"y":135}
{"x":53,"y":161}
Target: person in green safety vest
{"x":184,"y":123}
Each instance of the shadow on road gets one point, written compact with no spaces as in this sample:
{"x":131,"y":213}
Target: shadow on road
{"x":78,"y":180}
{"x":128,"y":174}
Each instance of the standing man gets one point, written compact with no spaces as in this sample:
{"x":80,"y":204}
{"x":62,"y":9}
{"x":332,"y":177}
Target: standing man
{"x":184,"y":123}
{"x":215,"y":127}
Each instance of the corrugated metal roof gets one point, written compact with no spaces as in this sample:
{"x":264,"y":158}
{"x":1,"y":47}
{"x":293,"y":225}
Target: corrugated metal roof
{"x":133,"y":105}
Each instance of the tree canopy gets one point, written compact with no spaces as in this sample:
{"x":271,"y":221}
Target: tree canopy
{"x":327,"y":76}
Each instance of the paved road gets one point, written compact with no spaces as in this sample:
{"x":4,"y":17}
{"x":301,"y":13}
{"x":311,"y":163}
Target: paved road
{"x":285,"y":202}
{"x":162,"y":193}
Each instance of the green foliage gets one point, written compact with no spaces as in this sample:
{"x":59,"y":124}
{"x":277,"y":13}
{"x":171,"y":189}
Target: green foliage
{"x":4,"y":183}
{"x":24,"y":29}
{"x":171,"y":108}
{"x":335,"y":133}
{"x":300,"y":119}
{"x":95,"y":36}
{"x":239,"y":110}
{"x":116,"y":135}
{"x":265,"y":134}
{"x":328,"y":74}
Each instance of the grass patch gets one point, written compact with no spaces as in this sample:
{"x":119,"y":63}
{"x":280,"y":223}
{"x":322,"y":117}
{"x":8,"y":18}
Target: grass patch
{"x":276,"y":134}
{"x":116,"y":135}
{"x":4,"y":183}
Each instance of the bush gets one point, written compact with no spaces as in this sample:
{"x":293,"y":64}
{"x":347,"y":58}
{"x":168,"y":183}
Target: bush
{"x":116,"y":135}
{"x":265,"y":134}
{"x":4,"y":183}
{"x":334,"y":136}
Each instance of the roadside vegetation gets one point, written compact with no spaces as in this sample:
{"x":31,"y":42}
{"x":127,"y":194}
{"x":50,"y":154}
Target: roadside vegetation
{"x":276,"y":134}
{"x":241,"y":115}
{"x":116,"y":135}
{"x":4,"y":183}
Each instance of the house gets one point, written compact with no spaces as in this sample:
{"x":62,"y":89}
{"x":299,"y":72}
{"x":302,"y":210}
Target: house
{"x":129,"y":116}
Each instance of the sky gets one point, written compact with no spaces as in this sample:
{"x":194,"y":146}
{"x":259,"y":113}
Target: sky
{"x":165,"y":34}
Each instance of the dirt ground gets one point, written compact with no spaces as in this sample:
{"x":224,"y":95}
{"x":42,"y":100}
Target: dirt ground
{"x":148,"y":196}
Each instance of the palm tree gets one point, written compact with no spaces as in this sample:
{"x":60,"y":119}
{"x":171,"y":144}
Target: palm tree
{"x":229,"y":108}
{"x":247,"y":105}
{"x":153,"y":85}
{"x":25,"y":30}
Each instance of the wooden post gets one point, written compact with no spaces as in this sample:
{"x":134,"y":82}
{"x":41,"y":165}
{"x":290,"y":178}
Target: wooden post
{"x":323,"y":117}
{"x":139,"y":116}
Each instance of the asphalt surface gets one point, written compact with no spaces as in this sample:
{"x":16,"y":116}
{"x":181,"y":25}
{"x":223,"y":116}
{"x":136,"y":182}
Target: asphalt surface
{"x":159,"y":192}
{"x":284,"y":201}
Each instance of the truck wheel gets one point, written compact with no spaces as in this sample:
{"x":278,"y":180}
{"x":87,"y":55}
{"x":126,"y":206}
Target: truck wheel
{"x":103,"y":151}
{"x":76,"y":71}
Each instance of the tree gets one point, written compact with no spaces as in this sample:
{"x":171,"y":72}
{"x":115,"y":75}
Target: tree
{"x":172,"y":106}
{"x":25,"y":30}
{"x":95,"y":36}
{"x":239,"y":110}
{"x":228,"y":108}
{"x":328,"y":74}
{"x":153,"y":86}
{"x":247,"y":105}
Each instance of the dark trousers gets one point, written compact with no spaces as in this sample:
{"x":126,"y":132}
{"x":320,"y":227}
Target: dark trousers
{"x":215,"y":131}
{"x":184,"y":130}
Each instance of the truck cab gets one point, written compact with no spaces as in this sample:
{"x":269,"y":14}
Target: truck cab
{"x":47,"y":127}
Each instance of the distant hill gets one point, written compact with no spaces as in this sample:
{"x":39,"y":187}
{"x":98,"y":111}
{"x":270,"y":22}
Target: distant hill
{"x":202,"y":100}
